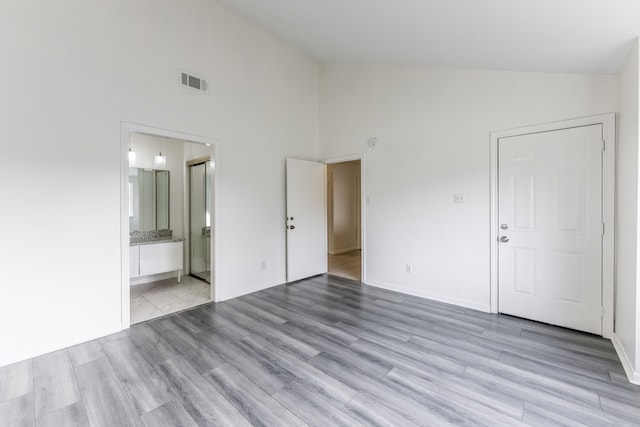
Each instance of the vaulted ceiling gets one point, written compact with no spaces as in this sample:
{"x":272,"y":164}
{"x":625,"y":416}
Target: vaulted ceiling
{"x":566,"y":36}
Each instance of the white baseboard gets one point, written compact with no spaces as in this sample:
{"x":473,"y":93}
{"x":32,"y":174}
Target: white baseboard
{"x":429,"y":295}
{"x":153,"y":278}
{"x":632,"y":374}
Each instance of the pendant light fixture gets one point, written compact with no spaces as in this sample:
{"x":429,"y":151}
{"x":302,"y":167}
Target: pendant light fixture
{"x":159,"y":160}
{"x":132,"y":156}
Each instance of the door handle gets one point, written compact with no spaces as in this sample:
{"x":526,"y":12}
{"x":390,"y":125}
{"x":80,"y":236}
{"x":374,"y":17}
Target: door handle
{"x":291,"y":227}
{"x":504,"y":239}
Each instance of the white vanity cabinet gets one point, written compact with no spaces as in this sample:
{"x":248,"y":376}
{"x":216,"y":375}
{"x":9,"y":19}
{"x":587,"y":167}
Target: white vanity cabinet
{"x":156,"y":258}
{"x":134,"y":261}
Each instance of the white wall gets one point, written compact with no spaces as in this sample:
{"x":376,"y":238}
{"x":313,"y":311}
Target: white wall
{"x":626,"y":321}
{"x":73,"y":71}
{"x":433,"y":127}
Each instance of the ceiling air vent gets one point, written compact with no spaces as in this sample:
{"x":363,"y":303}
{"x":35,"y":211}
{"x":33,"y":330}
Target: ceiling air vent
{"x":194,"y":82}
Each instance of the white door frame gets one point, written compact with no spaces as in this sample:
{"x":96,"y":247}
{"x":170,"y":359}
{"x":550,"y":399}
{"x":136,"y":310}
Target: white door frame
{"x":126,"y":129}
{"x":608,"y":122}
{"x":363,"y":198}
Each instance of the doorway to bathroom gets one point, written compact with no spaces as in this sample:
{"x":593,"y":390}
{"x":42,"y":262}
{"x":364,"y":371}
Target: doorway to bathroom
{"x":168,"y":192}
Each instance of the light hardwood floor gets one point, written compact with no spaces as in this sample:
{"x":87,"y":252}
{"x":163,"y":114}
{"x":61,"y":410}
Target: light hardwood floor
{"x":325,"y":351}
{"x":346,"y":265}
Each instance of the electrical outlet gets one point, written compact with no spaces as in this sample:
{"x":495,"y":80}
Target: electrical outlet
{"x":408,"y":268}
{"x":458,"y":197}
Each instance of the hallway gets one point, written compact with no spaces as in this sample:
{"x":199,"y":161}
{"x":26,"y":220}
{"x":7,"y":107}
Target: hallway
{"x":348,"y":264}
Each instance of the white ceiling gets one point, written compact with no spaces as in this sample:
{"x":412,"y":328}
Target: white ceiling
{"x":567,"y":36}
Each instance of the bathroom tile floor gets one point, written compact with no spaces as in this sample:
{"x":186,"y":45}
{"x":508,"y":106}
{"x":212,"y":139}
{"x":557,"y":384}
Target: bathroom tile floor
{"x":156,"y":299}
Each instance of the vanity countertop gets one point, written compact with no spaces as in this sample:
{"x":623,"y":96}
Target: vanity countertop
{"x":152,"y":240}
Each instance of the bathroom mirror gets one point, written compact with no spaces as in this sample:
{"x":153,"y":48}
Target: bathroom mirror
{"x":148,"y":199}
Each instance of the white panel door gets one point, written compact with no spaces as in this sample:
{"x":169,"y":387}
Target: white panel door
{"x":306,"y":219}
{"x":550,"y":216}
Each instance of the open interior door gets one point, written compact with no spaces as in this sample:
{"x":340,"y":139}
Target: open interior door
{"x":306,"y":219}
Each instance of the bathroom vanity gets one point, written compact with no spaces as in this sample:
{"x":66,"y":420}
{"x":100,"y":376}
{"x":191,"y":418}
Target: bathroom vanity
{"x":152,"y":247}
{"x":155,"y":255}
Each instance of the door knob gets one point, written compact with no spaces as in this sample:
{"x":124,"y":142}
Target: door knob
{"x":504,"y":239}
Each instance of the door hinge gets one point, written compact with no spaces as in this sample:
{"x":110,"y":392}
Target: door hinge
{"x":602,"y":224}
{"x":603,"y":145}
{"x":601,"y":312}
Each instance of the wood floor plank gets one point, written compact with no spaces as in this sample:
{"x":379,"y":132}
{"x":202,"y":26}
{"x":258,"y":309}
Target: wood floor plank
{"x":459,"y":348}
{"x":627,"y":409}
{"x":564,"y":406}
{"x":371,"y":413}
{"x":145,"y":387}
{"x":491,"y":397}
{"x":54,"y":382}
{"x":312,"y":408}
{"x":474,"y":411}
{"x":359,"y":326}
{"x":200,"y":399}
{"x":518,"y":345}
{"x":292,"y":344}
{"x":16,"y":380}
{"x":537,"y":416}
{"x":596,"y":348}
{"x":373,"y":364}
{"x":410,"y":359}
{"x":539,"y":380}
{"x":330,"y":388}
{"x":300,"y":318}
{"x":256,"y":405}
{"x":86,"y":352}
{"x":291,"y":298}
{"x":105,"y":398}
{"x":194,"y":351}
{"x":186,"y":321}
{"x":73,"y":415}
{"x":619,"y":378}
{"x":256,"y":313}
{"x":385,"y":393}
{"x":151,"y":344}
{"x":336,"y":335}
{"x":263,"y":371}
{"x":402,"y":312}
{"x":217,"y":321}
{"x":570,"y":373}
{"x":324,"y":291}
{"x":18,"y":411}
{"x":353,"y":286}
{"x":171,"y":414}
